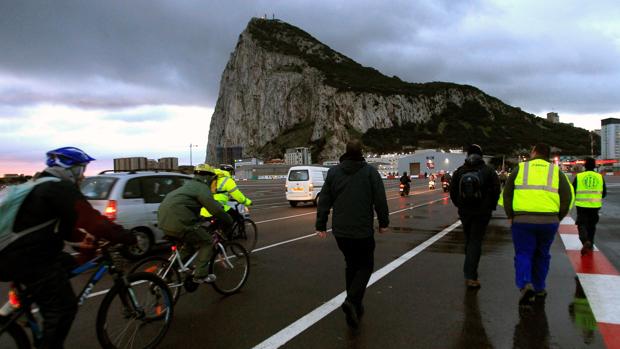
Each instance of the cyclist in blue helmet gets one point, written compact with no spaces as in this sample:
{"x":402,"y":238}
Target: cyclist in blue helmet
{"x":54,"y":211}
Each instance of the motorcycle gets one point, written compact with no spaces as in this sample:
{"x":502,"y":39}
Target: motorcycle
{"x":404,"y":189}
{"x":445,"y":185}
{"x":431,"y":185}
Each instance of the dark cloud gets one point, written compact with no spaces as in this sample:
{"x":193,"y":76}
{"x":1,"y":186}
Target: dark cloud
{"x":174,"y":52}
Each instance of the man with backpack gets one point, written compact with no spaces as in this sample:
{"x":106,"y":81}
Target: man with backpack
{"x":36,"y":217}
{"x":474,"y":190}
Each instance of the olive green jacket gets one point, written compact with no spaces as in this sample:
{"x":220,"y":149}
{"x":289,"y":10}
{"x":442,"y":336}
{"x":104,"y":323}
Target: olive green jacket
{"x":180,"y":209}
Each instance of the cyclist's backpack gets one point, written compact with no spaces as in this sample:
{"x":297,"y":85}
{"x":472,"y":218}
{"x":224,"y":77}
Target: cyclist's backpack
{"x":470,"y":188}
{"x":11,"y":199}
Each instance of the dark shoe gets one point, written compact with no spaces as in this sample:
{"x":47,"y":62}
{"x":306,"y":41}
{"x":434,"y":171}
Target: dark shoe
{"x":540,"y":296}
{"x":587,"y":248}
{"x":351,"y":314}
{"x":527,"y":295}
{"x":473,"y":284}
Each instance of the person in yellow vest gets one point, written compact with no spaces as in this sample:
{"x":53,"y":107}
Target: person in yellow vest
{"x":225,"y":186}
{"x":536,"y":197}
{"x":590,"y":189}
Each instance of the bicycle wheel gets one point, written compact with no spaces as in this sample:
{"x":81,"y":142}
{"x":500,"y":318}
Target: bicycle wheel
{"x":159,"y":266}
{"x":246,"y":234}
{"x":14,"y":336}
{"x":137,"y":316}
{"x":231,"y":265}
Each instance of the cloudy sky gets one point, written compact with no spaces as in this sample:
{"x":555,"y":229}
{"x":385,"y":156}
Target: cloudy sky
{"x":141,"y":77}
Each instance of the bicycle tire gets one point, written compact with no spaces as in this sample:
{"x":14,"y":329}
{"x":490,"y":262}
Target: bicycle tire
{"x":163,"y":309}
{"x":158,"y":265}
{"x":248,"y":236}
{"x":231,"y":272}
{"x":18,"y":337}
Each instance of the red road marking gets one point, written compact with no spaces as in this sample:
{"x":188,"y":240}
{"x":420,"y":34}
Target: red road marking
{"x":593,"y":263}
{"x":611,"y":334}
{"x":568,"y":229}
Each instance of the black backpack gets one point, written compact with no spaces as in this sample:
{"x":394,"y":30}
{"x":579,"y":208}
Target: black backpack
{"x":470,"y":188}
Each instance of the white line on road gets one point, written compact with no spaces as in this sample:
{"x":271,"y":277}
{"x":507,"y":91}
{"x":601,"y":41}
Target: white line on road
{"x":319,"y":313}
{"x":295,"y":239}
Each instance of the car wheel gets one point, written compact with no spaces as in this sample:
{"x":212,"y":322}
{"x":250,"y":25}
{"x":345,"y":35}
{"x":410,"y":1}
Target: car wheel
{"x":140,"y":249}
{"x":293,"y":203}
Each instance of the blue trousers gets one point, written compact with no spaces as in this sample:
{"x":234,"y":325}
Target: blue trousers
{"x":532,"y":243}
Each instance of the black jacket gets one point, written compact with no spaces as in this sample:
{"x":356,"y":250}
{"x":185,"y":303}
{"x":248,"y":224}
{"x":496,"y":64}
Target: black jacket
{"x":490,"y":186}
{"x":353,"y":189}
{"x":63,"y":201}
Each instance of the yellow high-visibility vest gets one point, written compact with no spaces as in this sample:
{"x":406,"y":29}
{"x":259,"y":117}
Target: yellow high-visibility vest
{"x":589,"y":190}
{"x":224,"y":186}
{"x":537,"y":187}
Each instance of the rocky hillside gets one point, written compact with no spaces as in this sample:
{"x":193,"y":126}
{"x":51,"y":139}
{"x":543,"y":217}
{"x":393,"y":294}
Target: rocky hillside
{"x":283,"y":88}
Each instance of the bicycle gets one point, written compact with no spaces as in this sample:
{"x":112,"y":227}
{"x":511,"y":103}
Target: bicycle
{"x":244,"y":232}
{"x":134,"y":302}
{"x":230,"y":263}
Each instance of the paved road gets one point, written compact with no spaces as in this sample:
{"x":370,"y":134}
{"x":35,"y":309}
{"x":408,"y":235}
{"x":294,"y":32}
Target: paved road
{"x":418,"y":298}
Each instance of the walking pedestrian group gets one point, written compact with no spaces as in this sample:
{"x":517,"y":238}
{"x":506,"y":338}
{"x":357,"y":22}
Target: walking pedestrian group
{"x":536,"y":196}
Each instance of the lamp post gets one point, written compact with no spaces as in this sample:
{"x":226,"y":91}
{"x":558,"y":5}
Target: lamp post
{"x":190,"y":152}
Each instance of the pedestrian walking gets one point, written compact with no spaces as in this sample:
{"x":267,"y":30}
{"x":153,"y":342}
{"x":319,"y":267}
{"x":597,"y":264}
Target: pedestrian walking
{"x":536,"y":197}
{"x":474,"y":191}
{"x":590,"y":189}
{"x":353,"y":189}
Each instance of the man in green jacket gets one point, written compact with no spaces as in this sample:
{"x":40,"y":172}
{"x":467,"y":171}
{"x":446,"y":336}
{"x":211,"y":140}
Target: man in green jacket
{"x":353,"y":189}
{"x":179,"y":217}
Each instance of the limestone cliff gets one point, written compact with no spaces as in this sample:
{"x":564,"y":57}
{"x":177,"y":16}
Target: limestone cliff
{"x":283,"y":88}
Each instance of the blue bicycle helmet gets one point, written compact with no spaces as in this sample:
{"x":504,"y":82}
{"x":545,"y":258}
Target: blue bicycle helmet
{"x":66,"y":157}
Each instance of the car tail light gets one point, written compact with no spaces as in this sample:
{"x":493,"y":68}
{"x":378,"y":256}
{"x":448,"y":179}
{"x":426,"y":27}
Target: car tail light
{"x":110,"y":210}
{"x":310,"y":186}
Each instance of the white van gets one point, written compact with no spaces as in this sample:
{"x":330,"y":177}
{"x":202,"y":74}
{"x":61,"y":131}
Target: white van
{"x":304,"y":183}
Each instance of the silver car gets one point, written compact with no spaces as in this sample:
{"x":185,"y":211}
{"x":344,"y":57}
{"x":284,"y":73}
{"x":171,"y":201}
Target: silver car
{"x":132,"y":199}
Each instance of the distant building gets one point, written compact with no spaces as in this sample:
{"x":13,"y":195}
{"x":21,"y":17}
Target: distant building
{"x":553,"y":117}
{"x":610,"y":138}
{"x":597,"y":132}
{"x":430,"y":161}
{"x":129,"y":164}
{"x":152,"y":164}
{"x":330,"y":163}
{"x":228,"y":155}
{"x":168,"y":164}
{"x":248,"y":162}
{"x":298,"y":156}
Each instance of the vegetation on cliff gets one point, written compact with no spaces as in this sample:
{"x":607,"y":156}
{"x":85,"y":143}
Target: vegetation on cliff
{"x":507,"y":131}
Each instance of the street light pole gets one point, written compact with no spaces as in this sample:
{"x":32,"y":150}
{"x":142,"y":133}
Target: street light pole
{"x":190,"y":152}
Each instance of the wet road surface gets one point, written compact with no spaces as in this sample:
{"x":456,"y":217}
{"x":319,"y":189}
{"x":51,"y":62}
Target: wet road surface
{"x":298,"y":278}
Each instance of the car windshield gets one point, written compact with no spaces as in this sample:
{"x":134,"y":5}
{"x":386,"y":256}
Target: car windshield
{"x":97,"y":188}
{"x":298,"y":175}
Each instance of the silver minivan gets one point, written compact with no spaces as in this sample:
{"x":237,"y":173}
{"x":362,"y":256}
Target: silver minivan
{"x":304,"y":183}
{"x":132,"y":199}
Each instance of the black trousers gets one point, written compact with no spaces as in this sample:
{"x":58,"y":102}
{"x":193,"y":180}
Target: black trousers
{"x":587,"y":218}
{"x":474,"y":227}
{"x":359,"y":255}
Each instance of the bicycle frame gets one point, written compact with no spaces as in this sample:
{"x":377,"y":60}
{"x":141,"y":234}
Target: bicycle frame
{"x":184,"y":267}
{"x":101,"y":262}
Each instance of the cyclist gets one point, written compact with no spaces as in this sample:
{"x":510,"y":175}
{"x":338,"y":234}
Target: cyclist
{"x":179,"y":217}
{"x":224,"y":187}
{"x":37,"y":259}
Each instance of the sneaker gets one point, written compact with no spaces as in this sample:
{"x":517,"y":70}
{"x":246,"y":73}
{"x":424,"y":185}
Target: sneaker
{"x":473,"y":284}
{"x":541,"y":294}
{"x":207,"y":279}
{"x":527,"y":295}
{"x":351,"y":314}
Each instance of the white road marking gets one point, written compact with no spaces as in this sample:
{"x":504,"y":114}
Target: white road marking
{"x":297,"y":327}
{"x":602,"y":293}
{"x":572,"y":242}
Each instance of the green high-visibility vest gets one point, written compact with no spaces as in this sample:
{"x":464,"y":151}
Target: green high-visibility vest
{"x":589,"y":190}
{"x":537,"y":187}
